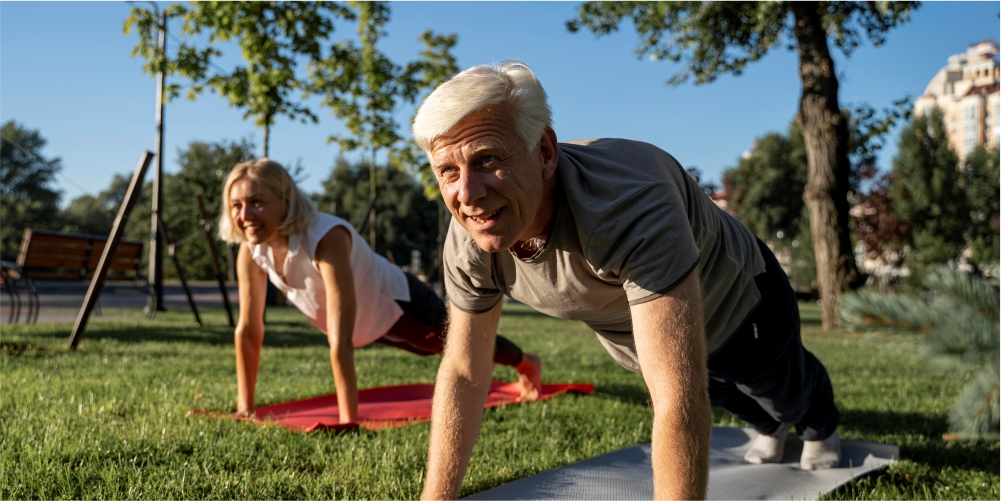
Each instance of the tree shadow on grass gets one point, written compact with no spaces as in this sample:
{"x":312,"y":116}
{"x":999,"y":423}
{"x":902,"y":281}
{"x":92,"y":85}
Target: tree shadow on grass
{"x":624,"y":393}
{"x":887,"y":422}
{"x":921,"y":439}
{"x":280,"y":335}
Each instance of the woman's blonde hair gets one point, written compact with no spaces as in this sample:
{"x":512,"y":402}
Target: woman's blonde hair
{"x":299,"y":209}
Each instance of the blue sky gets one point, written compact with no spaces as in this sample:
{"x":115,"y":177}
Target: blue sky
{"x":66,"y":69}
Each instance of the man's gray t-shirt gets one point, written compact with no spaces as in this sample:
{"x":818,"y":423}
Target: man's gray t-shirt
{"x":630,"y":224}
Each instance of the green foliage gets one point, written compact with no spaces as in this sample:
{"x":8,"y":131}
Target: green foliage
{"x":272,"y":36}
{"x":368,"y":92}
{"x":765,"y":190}
{"x":981,"y":179}
{"x":959,"y":319}
{"x":717,"y":38}
{"x":766,"y":186}
{"x":27,"y":198}
{"x":867,"y":134}
{"x":96,"y":215}
{"x":407,"y":220}
{"x":927,"y":192}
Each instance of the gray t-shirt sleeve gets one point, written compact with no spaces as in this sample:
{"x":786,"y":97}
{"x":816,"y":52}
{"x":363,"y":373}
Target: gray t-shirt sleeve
{"x":648,"y":244}
{"x":469,"y":281}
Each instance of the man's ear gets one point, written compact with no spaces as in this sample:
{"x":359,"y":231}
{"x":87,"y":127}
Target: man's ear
{"x":549,"y":152}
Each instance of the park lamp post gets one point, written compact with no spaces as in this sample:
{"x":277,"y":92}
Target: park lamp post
{"x":155,"y":245}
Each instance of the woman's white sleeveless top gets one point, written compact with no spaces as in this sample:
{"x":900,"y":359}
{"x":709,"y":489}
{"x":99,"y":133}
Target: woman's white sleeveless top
{"x":378,"y":283}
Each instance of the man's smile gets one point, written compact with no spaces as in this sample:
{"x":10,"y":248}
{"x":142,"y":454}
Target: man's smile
{"x":486,"y":218}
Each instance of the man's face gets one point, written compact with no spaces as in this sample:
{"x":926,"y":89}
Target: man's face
{"x":490,"y":182}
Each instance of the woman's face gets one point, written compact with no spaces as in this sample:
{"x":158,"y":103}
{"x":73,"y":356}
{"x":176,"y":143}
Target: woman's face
{"x":256,"y":211}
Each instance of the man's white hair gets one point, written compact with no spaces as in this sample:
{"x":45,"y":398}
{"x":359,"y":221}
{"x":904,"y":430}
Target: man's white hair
{"x":510,"y":83}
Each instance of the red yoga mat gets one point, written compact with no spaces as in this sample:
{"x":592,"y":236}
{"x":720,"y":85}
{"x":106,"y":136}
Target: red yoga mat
{"x":385,"y":407}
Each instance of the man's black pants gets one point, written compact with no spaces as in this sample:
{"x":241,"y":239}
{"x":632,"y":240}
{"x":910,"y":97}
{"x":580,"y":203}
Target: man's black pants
{"x":763,"y":375}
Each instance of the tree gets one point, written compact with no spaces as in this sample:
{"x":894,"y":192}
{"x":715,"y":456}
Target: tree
{"x":760,"y":185}
{"x":368,"y":93}
{"x":717,"y":38}
{"x":408,"y":219}
{"x":27,"y":198}
{"x":759,"y":188}
{"x":708,"y":186}
{"x":96,"y":215}
{"x":203,"y":169}
{"x":927,"y":192}
{"x":981,"y":175}
{"x":882,"y":233}
{"x":272,"y":36}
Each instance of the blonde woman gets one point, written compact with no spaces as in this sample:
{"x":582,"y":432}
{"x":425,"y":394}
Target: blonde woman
{"x":328,"y":271}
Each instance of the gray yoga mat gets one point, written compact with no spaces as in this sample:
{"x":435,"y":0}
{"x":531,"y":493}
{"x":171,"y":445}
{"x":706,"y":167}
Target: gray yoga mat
{"x":626,"y":474}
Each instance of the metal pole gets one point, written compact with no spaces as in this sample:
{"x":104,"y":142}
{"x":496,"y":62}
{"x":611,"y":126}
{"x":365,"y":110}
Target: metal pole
{"x":180,"y":274}
{"x":203,"y":221}
{"x":155,"y":242}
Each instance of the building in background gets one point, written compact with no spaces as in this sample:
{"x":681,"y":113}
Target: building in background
{"x":966,"y":91}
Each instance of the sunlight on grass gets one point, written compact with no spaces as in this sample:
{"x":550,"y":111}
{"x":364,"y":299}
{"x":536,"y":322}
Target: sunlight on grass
{"x":113,"y":419}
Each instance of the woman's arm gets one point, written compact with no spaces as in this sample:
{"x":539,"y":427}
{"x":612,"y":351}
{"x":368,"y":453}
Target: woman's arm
{"x":249,"y":334}
{"x":333,"y":259}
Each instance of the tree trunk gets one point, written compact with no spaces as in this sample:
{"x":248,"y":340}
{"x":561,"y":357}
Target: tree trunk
{"x":825,"y":132}
{"x":373,"y":191}
{"x":267,"y":137}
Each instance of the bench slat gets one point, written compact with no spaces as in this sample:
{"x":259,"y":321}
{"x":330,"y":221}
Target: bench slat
{"x":42,"y":263}
{"x":58,"y":250}
{"x":51,"y":275}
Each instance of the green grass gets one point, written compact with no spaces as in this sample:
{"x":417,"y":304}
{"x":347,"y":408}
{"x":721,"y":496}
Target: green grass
{"x":113,"y":419}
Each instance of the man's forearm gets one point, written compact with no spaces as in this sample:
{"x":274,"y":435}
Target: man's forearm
{"x":457,"y":413}
{"x":680,"y":451}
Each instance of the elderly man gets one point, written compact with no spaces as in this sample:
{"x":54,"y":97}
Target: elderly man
{"x":616,"y":234}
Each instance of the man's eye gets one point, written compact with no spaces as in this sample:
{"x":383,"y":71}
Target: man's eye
{"x":488,"y":159}
{"x":445,"y":170}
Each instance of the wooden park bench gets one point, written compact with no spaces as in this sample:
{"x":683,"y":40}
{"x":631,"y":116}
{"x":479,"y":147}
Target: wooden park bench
{"x":54,"y":256}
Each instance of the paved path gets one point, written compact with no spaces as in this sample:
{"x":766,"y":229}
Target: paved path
{"x":61,"y":301}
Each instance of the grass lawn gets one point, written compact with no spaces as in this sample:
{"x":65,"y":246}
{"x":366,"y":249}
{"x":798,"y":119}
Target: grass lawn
{"x":113,"y":419}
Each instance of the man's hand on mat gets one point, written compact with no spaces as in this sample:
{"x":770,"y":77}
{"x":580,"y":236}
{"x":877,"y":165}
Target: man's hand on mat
{"x":530,"y":377}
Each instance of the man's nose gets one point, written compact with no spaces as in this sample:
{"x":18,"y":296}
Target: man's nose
{"x":471,"y":186}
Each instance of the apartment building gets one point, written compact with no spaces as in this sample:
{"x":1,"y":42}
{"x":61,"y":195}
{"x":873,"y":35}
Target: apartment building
{"x":966,"y":90}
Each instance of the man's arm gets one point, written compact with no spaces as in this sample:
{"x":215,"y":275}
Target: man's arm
{"x":249,"y":334}
{"x":459,"y":394}
{"x":671,"y":344}
{"x":333,"y":259}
